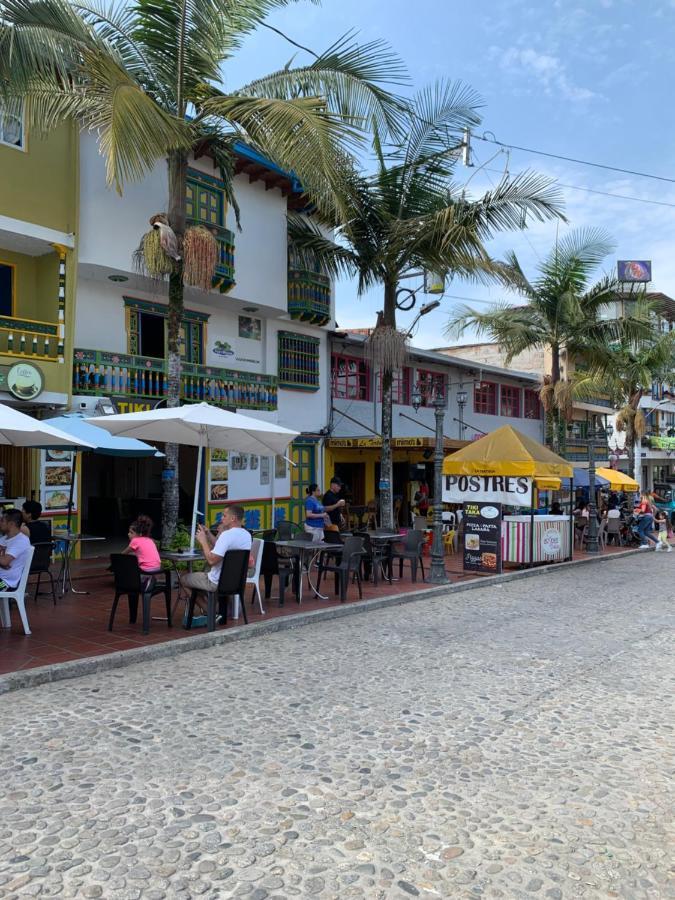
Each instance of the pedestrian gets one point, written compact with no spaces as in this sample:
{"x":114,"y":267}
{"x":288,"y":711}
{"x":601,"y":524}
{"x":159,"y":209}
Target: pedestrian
{"x":333,"y":504}
{"x":142,"y":545}
{"x":661,"y":521}
{"x":316,"y":515}
{"x":645,"y":513}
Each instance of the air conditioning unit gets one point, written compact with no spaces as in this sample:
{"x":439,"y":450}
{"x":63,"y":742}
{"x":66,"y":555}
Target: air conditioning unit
{"x":93,"y":406}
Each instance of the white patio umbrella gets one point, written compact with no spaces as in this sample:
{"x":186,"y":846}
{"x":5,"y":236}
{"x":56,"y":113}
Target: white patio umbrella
{"x":204,"y":426}
{"x":19,"y":430}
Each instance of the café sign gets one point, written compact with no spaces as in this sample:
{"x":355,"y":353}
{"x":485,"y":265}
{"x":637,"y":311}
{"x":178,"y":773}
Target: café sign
{"x":509,"y":490}
{"x":376,"y":442}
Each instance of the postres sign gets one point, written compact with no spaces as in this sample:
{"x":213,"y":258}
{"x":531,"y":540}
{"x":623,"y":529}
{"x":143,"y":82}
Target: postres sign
{"x":510,"y":490}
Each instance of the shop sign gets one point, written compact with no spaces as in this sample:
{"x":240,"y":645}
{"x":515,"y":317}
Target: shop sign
{"x":133,"y":404}
{"x":483,"y":537}
{"x":376,"y":442}
{"x":551,"y":542}
{"x":25,"y":381}
{"x":662,"y":443}
{"x":510,"y":490}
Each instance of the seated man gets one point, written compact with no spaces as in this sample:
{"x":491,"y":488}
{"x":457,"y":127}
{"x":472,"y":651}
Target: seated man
{"x":13,"y":548}
{"x":38,"y":532}
{"x":229,"y":536}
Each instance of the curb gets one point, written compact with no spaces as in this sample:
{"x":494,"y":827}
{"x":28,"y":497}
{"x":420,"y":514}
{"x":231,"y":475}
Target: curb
{"x":27,"y":678}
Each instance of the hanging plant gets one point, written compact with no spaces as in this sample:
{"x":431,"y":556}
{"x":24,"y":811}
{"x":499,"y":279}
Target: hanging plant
{"x":388,"y":347}
{"x":200,"y":258}
{"x":150,"y":258}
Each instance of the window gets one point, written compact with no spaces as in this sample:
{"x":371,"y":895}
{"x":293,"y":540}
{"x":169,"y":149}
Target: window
{"x":6,"y":289}
{"x":298,"y":361}
{"x":485,"y":398}
{"x":151,"y":335}
{"x":510,"y":397}
{"x":350,"y":378}
{"x":531,"y":404}
{"x":147,"y":331}
{"x":400,"y":387}
{"x":11,"y":125}
{"x":429,"y":383}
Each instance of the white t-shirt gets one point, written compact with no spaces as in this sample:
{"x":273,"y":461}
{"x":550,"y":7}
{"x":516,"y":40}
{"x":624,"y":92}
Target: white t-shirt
{"x":16,"y":547}
{"x":614,"y":514}
{"x":232,"y":539}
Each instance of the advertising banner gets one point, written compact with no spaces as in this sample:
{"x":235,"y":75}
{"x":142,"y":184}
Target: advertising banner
{"x":510,"y":490}
{"x":483,"y":538}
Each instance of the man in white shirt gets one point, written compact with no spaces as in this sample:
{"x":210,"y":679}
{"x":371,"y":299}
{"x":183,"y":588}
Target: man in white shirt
{"x":13,"y":548}
{"x":231,"y":535}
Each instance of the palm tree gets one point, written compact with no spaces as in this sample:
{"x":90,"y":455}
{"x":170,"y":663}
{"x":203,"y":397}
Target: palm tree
{"x":624,"y":371}
{"x":145,"y":77}
{"x":562,"y":315}
{"x":408,"y":215}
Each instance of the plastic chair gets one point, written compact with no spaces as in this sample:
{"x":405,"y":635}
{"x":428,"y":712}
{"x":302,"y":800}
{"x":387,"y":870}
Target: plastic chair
{"x":288,"y":531}
{"x":276,"y":563}
{"x":450,"y":541}
{"x":232,"y":583}
{"x":376,"y":557}
{"x":614,"y":530}
{"x":411,"y":552}
{"x":18,"y":595}
{"x":130,"y":580}
{"x":349,"y":564}
{"x":254,"y":578}
{"x":42,"y":560}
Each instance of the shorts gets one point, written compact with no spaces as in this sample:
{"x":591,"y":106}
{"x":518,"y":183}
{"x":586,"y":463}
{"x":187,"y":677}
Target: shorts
{"x":317,"y":534}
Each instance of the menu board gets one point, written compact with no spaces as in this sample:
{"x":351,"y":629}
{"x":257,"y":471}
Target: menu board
{"x":219,"y":476}
{"x":483,"y":537}
{"x":55,"y":478}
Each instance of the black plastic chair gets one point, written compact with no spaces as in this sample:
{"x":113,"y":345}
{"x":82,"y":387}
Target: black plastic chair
{"x":42,"y":558}
{"x":131,"y":581}
{"x":349,"y":564}
{"x":232,"y":582}
{"x":288,"y":531}
{"x":376,"y":557}
{"x":284,"y":567}
{"x":411,"y":552}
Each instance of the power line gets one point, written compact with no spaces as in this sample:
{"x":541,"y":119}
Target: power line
{"x":581,"y":162}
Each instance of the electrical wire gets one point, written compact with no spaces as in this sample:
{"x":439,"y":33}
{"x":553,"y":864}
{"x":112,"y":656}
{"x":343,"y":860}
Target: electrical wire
{"x":581,"y":162}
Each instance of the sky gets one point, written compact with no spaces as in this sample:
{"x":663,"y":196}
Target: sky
{"x":590,"y":80}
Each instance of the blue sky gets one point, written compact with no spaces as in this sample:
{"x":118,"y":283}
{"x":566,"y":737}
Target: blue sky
{"x":591,"y":80}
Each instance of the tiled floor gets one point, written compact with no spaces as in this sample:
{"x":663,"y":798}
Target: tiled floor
{"x":77,"y":626}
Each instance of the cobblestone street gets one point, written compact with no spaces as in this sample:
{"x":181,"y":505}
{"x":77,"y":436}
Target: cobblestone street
{"x":510,"y":742}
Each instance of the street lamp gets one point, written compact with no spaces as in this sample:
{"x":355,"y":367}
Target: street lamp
{"x":592,"y":435}
{"x":462,"y":397}
{"x":438,"y":574}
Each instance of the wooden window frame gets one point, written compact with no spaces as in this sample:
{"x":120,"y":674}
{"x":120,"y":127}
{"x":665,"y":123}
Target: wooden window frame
{"x":531,"y":405}
{"x":335,"y":378}
{"x":489,"y":407}
{"x":512,"y":393}
{"x":400,"y":387}
{"x":426,"y":378}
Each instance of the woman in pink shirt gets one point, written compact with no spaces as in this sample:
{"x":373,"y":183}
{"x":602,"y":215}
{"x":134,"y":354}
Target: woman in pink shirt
{"x":142,"y":545}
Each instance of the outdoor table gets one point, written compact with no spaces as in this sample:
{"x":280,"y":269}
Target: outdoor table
{"x":68,"y":541}
{"x":174,"y":557}
{"x":384,"y":537}
{"x":307,"y":552}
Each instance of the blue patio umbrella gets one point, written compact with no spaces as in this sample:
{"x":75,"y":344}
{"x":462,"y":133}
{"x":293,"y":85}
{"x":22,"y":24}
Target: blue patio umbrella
{"x":581,"y":480}
{"x":101,"y":441}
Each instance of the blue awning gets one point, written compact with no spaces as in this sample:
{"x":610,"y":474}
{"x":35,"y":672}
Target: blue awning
{"x":581,"y":480}
{"x":102,"y":441}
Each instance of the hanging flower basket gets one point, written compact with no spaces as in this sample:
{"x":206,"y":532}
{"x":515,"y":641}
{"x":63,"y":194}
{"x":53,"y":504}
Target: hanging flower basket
{"x":200,"y":258}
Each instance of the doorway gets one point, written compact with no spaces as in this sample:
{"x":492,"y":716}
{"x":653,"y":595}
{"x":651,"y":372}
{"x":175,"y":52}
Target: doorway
{"x":353,"y":477}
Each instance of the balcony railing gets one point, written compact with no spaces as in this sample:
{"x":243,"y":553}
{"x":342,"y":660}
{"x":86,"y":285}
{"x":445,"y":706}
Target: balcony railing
{"x":579,"y":452}
{"x":308,"y":296}
{"x":225,"y":268}
{"x":29,"y":338}
{"x":116,"y":374}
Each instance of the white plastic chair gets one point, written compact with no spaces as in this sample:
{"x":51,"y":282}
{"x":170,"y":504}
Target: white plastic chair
{"x":254,"y":579}
{"x":18,"y":595}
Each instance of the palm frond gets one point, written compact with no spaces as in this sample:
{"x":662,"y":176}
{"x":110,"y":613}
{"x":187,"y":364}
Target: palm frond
{"x":314,"y":251}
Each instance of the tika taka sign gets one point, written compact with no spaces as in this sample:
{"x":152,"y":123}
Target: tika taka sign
{"x":507,"y":489}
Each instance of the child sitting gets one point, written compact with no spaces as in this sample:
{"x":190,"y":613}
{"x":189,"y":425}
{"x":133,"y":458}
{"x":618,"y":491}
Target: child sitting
{"x":142,"y":545}
{"x":661,"y":522}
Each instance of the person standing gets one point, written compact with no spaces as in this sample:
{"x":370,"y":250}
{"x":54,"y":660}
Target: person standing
{"x":645,"y":511}
{"x":316,"y":514}
{"x":333,"y":503}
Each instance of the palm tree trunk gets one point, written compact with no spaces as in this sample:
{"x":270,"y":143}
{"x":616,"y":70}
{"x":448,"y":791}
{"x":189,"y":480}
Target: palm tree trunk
{"x":386,"y":466}
{"x":555,"y":412}
{"x":170,"y":497}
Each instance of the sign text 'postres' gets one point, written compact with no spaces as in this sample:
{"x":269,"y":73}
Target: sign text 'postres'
{"x":510,"y":490}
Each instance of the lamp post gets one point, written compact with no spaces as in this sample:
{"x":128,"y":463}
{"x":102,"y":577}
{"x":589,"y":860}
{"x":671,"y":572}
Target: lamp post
{"x":437,"y":574}
{"x":462,"y":397}
{"x":592,"y":435}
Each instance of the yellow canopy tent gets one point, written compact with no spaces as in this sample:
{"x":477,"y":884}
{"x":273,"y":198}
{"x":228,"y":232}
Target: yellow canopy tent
{"x":507,"y":451}
{"x":617,"y":480}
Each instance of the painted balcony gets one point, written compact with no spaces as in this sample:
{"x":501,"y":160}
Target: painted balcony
{"x":30,"y":338}
{"x":120,"y":375}
{"x":308,"y":296}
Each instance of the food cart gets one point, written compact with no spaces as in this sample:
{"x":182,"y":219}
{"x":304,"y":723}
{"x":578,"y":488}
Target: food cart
{"x":502,"y":469}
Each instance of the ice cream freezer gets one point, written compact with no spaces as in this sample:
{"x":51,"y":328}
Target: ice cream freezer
{"x":551,"y":539}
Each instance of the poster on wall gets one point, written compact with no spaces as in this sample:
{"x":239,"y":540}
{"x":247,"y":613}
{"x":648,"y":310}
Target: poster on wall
{"x":279,"y":466}
{"x":219,"y":473}
{"x":248,"y":346}
{"x":56,"y":472}
{"x":506,"y":489}
{"x":482,"y":538}
{"x":239,"y":462}
{"x":253,"y":461}
{"x":264,"y":470}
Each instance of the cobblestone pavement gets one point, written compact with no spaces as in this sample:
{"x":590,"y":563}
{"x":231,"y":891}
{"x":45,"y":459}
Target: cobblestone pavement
{"x":511,"y":742}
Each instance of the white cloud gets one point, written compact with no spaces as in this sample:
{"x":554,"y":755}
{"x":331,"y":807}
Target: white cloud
{"x":549,"y":71}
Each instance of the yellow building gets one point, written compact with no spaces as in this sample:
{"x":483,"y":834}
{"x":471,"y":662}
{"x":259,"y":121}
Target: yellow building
{"x":38,"y":224}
